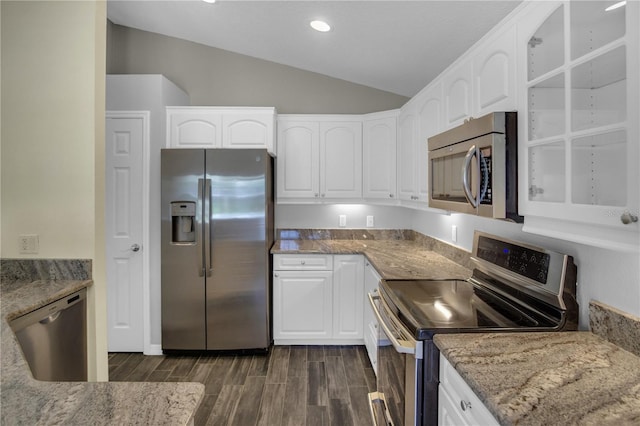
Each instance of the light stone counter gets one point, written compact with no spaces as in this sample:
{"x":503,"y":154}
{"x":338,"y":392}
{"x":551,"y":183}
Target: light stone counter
{"x":31,"y":402}
{"x":566,"y":378}
{"x":394,"y":259}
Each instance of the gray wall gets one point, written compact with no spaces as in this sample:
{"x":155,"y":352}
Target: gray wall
{"x":218,"y":77}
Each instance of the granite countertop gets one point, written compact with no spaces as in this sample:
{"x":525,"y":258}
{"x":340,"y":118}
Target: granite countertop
{"x":548,"y":378}
{"x":29,"y":401}
{"x":393,"y":259}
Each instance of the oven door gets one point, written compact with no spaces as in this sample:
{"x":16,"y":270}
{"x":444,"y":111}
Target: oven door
{"x":462,"y":176}
{"x":399,"y":384}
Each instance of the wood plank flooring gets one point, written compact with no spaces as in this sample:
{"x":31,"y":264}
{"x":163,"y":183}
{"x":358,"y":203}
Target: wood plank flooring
{"x":292,"y":385}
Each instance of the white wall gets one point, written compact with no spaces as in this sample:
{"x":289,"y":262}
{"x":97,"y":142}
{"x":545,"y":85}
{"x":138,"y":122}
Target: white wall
{"x":326,"y":216}
{"x":53,"y":62}
{"x":149,"y":93}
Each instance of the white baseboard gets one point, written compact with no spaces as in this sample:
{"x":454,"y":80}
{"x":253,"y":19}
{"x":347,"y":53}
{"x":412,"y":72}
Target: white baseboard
{"x":153,"y":350}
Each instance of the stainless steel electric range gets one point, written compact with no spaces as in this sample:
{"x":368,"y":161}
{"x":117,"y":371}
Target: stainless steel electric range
{"x":514,"y":287}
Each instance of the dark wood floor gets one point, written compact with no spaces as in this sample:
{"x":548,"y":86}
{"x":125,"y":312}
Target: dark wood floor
{"x":292,"y":385}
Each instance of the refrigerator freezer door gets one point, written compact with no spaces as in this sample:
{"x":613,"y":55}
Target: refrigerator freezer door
{"x":183,"y":280}
{"x":238,"y":289}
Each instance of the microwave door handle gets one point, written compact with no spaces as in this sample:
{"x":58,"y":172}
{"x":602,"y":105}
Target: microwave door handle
{"x":465,"y":176}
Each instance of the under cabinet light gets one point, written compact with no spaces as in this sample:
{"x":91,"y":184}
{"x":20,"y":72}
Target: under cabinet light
{"x":616,"y":5}
{"x":209,"y":1}
{"x":321,"y":26}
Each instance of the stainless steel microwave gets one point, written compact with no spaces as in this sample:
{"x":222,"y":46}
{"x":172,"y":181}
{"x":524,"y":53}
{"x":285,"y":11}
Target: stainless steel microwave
{"x":474,"y":167}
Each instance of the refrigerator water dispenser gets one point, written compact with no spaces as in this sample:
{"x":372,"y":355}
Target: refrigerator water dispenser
{"x":183,"y":221}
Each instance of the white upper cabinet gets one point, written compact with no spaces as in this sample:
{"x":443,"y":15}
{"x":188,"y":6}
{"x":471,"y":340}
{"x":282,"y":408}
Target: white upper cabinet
{"x":193,"y":128}
{"x":221,"y":127}
{"x":298,"y":163}
{"x":379,"y":157}
{"x":319,"y":158}
{"x":341,"y":159}
{"x":407,"y":163}
{"x":249,"y":129}
{"x":494,"y":69}
{"x":579,"y":126}
{"x":458,"y":94}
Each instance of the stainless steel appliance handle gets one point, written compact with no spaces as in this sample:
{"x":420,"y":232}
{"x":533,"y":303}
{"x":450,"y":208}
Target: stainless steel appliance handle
{"x":465,"y":176}
{"x":199,"y":214}
{"x":377,"y":398}
{"x":401,"y":346}
{"x":208,"y":208}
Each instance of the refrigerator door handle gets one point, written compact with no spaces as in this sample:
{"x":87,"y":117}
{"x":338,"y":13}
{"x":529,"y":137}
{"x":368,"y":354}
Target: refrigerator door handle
{"x":199,"y":225}
{"x":208,"y":209}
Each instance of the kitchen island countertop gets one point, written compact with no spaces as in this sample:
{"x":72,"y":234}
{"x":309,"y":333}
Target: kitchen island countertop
{"x":29,"y":401}
{"x":549,"y":377}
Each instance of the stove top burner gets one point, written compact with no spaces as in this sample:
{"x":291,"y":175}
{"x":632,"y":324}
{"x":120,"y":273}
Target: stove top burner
{"x":430,"y":307}
{"x":514,"y":287}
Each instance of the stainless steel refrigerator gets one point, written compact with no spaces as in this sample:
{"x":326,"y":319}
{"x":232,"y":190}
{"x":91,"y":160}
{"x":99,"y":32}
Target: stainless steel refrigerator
{"x":217,"y":229}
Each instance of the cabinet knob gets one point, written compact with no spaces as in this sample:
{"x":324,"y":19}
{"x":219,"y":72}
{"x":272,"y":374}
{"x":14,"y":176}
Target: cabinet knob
{"x":302,"y":262}
{"x":390,"y":195}
{"x":627,"y":218}
{"x":316,"y":195}
{"x":464,"y":405}
{"x":322,"y":195}
{"x":276,"y":275}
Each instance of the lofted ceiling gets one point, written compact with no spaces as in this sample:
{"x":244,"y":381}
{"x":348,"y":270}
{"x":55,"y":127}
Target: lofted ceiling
{"x":396,"y":46}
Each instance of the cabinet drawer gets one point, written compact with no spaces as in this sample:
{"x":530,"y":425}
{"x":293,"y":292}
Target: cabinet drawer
{"x":302,"y":262}
{"x":475,"y":411}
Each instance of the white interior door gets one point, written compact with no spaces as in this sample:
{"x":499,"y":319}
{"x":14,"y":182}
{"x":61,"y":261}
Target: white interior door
{"x":124,"y":145}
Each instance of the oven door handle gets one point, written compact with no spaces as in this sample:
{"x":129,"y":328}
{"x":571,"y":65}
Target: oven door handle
{"x":466,"y":167}
{"x":401,"y":346}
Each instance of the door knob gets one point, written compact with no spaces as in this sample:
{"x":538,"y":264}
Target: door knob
{"x":628,"y":218}
{"x":135,"y":247}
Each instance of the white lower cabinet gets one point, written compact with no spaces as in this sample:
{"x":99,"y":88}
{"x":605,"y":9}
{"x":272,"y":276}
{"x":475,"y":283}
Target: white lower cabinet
{"x":317,"y":299}
{"x":458,"y":405}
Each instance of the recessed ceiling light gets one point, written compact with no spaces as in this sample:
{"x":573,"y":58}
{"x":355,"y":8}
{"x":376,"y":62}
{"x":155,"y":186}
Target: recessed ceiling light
{"x":616,"y":5}
{"x":321,"y":26}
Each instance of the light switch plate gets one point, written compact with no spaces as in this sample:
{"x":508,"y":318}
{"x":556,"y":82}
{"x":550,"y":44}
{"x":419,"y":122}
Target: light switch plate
{"x":369,"y":221}
{"x":343,"y":219}
{"x":454,"y":233}
{"x":28,"y":243}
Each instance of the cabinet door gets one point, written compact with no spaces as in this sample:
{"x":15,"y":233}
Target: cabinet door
{"x":406,"y":156}
{"x":494,"y":69}
{"x":579,"y":152}
{"x":448,"y":413}
{"x":191,"y":128}
{"x":298,"y":162}
{"x":348,"y":288}
{"x":379,"y":147}
{"x":302,"y":304}
{"x":248,"y":130}
{"x":457,"y":403}
{"x":340,"y":160}
{"x":457,"y":91}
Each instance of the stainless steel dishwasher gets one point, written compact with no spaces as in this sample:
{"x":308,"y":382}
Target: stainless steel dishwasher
{"x":54,"y":339}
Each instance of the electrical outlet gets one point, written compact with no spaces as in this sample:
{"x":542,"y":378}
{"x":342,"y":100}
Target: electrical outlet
{"x":369,"y":221}
{"x":28,"y":244}
{"x":343,"y":219}
{"x":454,"y":233}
